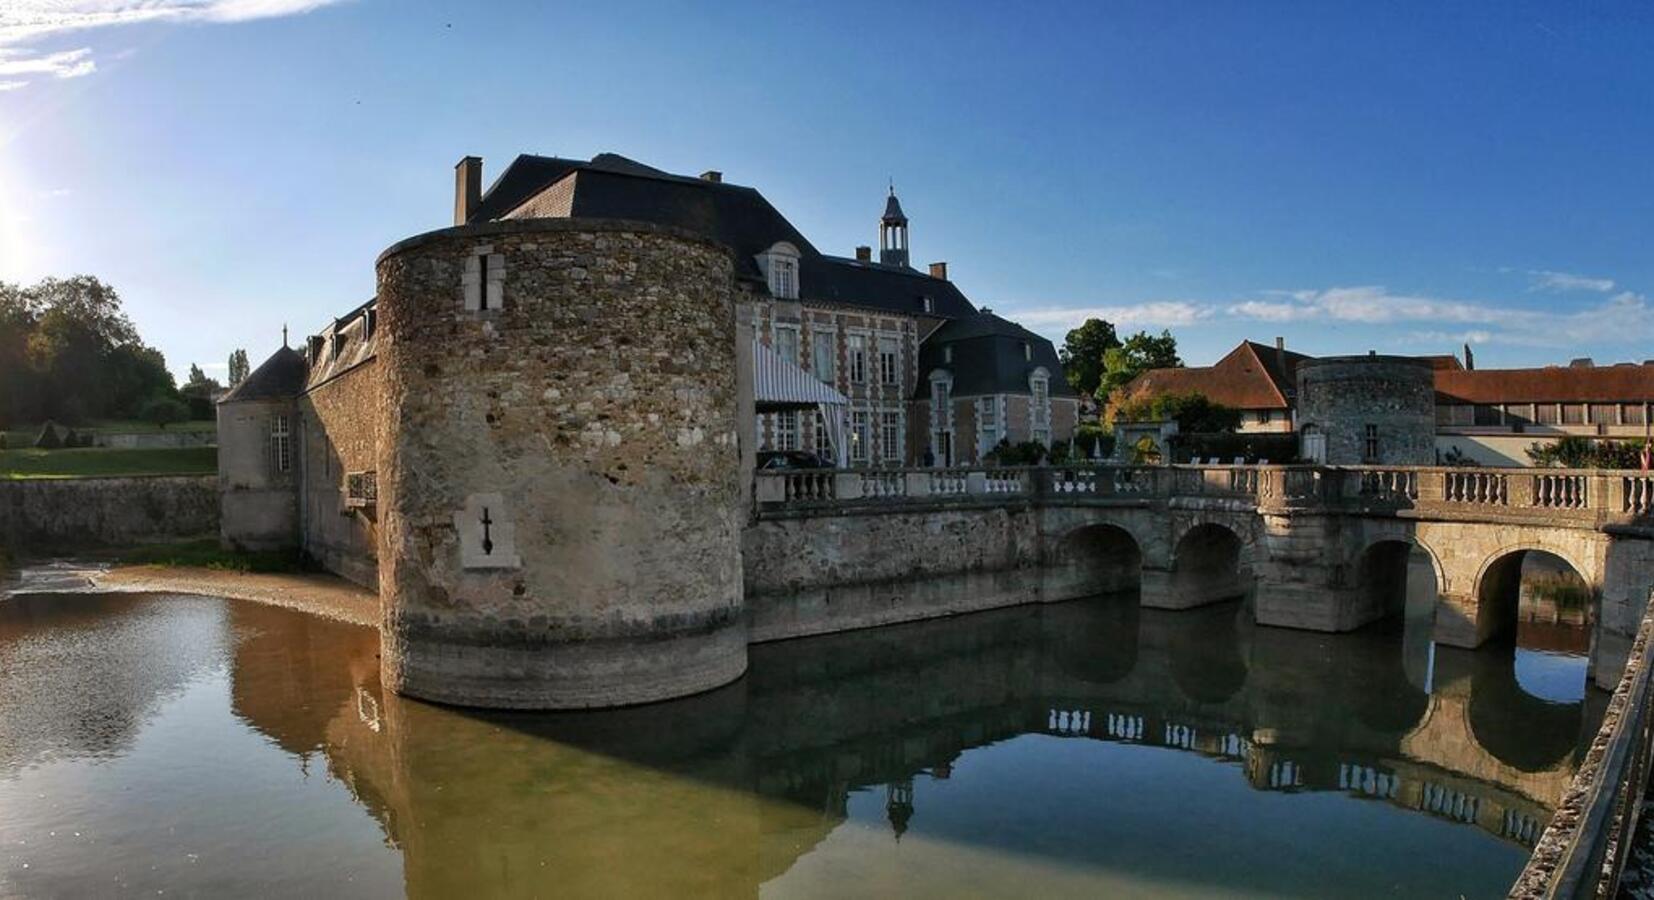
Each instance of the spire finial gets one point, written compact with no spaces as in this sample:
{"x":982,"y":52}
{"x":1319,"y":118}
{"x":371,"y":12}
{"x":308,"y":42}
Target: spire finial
{"x":284,"y":334}
{"x":892,"y":185}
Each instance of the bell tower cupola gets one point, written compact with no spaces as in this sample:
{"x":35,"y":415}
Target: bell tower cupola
{"x":893,"y":232}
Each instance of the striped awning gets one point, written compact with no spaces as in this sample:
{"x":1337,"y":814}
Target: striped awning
{"x":778,"y":384}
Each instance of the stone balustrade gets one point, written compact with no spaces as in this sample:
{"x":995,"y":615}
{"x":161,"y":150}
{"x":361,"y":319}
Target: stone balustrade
{"x":1589,"y":497}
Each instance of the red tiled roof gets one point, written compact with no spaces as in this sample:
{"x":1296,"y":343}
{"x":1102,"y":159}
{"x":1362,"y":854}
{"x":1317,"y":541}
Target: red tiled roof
{"x":1555,"y":384}
{"x":1251,"y":376}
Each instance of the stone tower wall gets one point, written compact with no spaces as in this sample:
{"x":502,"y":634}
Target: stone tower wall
{"x":559,"y":473}
{"x":1342,"y":395}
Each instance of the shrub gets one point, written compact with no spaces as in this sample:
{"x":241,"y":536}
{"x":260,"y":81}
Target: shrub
{"x":48,"y":439}
{"x":71,"y":438}
{"x":2,"y":440}
{"x":1005,"y":453}
{"x":164,"y":411}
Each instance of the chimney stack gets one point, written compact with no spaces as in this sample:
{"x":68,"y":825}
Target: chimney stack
{"x":467,"y":188}
{"x":713,"y":175}
{"x":939,"y":270}
{"x":864,"y":253}
{"x":1280,"y":354}
{"x":1469,"y":359}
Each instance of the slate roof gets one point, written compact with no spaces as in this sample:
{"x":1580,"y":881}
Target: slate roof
{"x":279,"y":377}
{"x":612,"y":186}
{"x":988,"y":357}
{"x":1551,"y":384}
{"x":893,"y":214}
{"x":1251,"y":376}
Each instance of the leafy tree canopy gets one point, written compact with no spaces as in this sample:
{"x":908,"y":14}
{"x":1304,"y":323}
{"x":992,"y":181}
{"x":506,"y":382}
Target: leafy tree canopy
{"x":1082,"y":354}
{"x":1140,"y":352}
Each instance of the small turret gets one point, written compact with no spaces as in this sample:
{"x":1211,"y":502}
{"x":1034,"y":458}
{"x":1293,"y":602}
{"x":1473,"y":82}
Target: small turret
{"x":893,"y":232}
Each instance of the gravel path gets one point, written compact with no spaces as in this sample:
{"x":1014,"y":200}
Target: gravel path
{"x":321,"y":595}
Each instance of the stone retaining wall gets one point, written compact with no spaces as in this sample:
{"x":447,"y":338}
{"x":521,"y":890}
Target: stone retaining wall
{"x":72,"y":513}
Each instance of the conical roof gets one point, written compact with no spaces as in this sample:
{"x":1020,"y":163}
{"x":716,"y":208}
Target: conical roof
{"x":893,"y":214}
{"x":280,"y":376}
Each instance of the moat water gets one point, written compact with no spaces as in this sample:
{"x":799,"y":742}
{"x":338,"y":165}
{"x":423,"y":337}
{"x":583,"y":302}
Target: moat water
{"x":209,"y":748}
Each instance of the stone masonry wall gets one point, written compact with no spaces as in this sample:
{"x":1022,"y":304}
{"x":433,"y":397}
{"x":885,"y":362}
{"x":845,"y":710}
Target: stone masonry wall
{"x":340,"y":436}
{"x":67,"y":514}
{"x":559,"y":479}
{"x":1344,"y":395}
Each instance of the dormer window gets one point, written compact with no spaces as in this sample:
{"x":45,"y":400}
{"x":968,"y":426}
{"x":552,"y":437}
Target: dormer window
{"x":780,"y":267}
{"x":929,"y":304}
{"x":947,"y":355}
{"x":1027,"y":351}
{"x":338,"y":340}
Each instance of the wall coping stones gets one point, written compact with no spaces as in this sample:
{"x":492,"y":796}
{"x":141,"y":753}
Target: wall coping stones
{"x":547,"y":226}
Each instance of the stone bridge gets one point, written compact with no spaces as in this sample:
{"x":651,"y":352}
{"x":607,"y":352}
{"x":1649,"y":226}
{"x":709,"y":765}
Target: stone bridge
{"x":1317,"y":548}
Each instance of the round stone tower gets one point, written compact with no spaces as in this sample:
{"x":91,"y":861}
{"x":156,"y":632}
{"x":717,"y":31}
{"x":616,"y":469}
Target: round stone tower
{"x":1378,"y":410}
{"x":558,"y":466}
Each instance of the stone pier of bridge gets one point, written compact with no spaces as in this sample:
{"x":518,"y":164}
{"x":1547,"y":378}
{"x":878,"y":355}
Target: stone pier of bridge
{"x":1310,"y":547}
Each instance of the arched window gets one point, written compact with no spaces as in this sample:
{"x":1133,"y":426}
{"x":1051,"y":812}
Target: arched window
{"x":780,"y":267}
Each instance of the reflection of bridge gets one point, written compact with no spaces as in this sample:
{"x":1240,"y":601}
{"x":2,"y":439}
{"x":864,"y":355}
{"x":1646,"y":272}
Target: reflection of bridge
{"x":1322,"y":549}
{"x":492,"y":799}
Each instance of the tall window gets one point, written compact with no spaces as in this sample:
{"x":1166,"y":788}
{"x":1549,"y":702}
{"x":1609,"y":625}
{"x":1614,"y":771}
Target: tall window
{"x":890,"y":436}
{"x":1039,"y":387}
{"x":786,"y":343}
{"x":860,"y":439}
{"x":822,"y":357}
{"x":786,"y":430}
{"x":784,"y":279}
{"x":941,"y":434}
{"x":987,"y":425}
{"x":1369,"y":449}
{"x":281,"y":443}
{"x":824,"y":441}
{"x":858,"y":358}
{"x":888,"y":372}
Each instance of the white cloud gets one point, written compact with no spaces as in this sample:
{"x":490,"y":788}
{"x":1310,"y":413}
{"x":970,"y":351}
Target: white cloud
{"x":1546,"y":280}
{"x":27,"y":21}
{"x":63,"y":64}
{"x":12,"y":85}
{"x":1371,"y":305}
{"x":1163,"y":314}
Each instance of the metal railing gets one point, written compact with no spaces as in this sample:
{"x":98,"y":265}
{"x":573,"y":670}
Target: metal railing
{"x":1583,"y":850}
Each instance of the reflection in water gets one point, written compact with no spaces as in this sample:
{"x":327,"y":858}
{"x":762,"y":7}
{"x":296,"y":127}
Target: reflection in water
{"x":1070,"y":750}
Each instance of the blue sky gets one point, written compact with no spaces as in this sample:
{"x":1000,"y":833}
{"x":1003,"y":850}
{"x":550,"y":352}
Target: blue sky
{"x":1349,"y":176}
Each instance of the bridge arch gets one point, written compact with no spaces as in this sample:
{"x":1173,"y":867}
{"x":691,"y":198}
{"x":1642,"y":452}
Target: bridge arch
{"x":1210,"y":562}
{"x":1497,"y":586}
{"x":1095,"y":558}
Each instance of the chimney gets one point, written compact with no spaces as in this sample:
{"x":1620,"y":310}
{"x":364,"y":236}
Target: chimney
{"x":713,"y":175}
{"x":939,"y":270}
{"x":1469,"y":359}
{"x":467,"y":188}
{"x":1280,"y":354}
{"x":864,"y":253}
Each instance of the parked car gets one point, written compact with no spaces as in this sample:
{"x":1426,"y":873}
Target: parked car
{"x":791,"y":459}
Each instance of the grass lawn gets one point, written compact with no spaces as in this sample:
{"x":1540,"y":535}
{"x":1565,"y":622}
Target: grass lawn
{"x":24,"y":435}
{"x":207,"y":554}
{"x":92,"y":462}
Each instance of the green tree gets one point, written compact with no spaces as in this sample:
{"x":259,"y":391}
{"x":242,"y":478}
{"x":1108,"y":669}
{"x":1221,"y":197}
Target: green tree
{"x":1194,"y":413}
{"x":1082,"y":354}
{"x":238,"y":367}
{"x":1140,"y":353}
{"x":164,"y":411}
{"x":80,"y":354}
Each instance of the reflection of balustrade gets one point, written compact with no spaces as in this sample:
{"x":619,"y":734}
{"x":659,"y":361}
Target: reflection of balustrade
{"x":1286,"y":774}
{"x":1068,"y":721}
{"x":1518,"y":827}
{"x":1368,"y":780}
{"x":1449,"y":803}
{"x":1124,"y":728}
